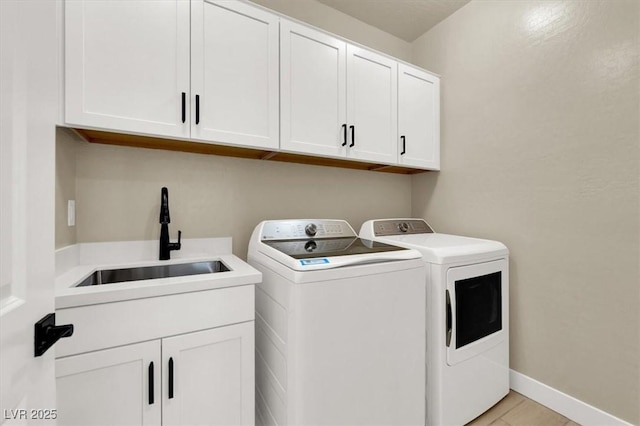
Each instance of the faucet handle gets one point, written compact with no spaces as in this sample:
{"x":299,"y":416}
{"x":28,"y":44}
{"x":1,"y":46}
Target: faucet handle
{"x":176,"y":246}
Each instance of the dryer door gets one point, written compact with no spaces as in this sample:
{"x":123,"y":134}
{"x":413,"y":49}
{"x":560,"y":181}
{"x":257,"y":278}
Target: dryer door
{"x":477,"y":309}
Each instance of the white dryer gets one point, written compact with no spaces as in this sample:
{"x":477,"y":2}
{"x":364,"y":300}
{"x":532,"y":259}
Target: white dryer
{"x":340,"y":327}
{"x":467,"y":317}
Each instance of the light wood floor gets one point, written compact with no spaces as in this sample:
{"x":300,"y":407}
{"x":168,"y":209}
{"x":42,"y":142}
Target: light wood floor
{"x":517,"y":410}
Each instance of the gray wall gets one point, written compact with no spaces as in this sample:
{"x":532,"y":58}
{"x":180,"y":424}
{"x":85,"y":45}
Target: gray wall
{"x":540,"y":150}
{"x":67,"y":144}
{"x":117,"y":192}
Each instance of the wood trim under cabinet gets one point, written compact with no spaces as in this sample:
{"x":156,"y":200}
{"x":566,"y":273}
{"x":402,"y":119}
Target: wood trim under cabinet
{"x":110,"y":138}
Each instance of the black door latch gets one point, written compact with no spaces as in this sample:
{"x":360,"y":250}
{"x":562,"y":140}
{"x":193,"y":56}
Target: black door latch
{"x":47,"y":333}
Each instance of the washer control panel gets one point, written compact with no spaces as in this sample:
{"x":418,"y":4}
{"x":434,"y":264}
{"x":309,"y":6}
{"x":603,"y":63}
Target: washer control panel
{"x":306,"y":229}
{"x":400,"y":227}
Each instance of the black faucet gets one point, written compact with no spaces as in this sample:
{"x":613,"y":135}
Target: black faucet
{"x":165,"y":244}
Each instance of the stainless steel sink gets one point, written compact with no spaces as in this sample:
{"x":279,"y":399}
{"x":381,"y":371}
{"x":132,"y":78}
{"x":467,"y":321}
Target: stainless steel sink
{"x":110,"y":276}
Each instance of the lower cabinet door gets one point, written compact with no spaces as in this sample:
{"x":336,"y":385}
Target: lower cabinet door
{"x":209,"y":377}
{"x":119,"y":386}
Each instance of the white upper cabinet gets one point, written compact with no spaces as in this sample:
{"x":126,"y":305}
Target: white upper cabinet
{"x":372,"y":106}
{"x":336,"y":99}
{"x":312,"y":91}
{"x":127,"y":65}
{"x":419,"y":118}
{"x":234,"y":74}
{"x":231,"y":73}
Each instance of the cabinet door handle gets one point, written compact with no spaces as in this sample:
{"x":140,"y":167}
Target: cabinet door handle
{"x":197,"y":109}
{"x":404,"y":145}
{"x":344,"y":135}
{"x":353,"y":136}
{"x":184,"y":107}
{"x":151,"y":387}
{"x":449,"y":328}
{"x":170,"y":378}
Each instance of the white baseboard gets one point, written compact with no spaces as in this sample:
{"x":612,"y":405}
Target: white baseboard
{"x":568,"y":406}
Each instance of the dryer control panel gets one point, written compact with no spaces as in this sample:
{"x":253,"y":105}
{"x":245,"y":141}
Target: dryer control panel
{"x":400,"y":227}
{"x":306,"y":229}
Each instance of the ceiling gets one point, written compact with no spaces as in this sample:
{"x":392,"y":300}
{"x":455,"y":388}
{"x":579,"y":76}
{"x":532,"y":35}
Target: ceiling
{"x":406,"y":19}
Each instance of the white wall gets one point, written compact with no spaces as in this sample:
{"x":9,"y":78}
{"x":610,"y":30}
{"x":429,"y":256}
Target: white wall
{"x":540,"y":149}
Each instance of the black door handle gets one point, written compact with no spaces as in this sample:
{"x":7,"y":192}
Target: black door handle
{"x":151,"y":390}
{"x":404,"y":145}
{"x":170,"y":378}
{"x":47,"y":333}
{"x":184,"y":107}
{"x":344,"y":135}
{"x":197,"y":109}
{"x":449,"y":329}
{"x":353,"y":136}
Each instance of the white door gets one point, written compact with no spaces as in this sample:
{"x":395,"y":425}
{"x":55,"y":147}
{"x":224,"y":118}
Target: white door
{"x":119,"y":386}
{"x":312,"y":91}
{"x":234,"y":68}
{"x":127,"y":65}
{"x":372,"y":106}
{"x":418,"y":118}
{"x":477,"y":299}
{"x":28,"y":89}
{"x":209,"y":377}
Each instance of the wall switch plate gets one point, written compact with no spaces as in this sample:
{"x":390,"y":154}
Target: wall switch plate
{"x":71,"y":213}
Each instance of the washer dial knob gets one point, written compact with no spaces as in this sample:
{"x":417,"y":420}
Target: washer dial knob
{"x":311,"y":229}
{"x":403,"y":227}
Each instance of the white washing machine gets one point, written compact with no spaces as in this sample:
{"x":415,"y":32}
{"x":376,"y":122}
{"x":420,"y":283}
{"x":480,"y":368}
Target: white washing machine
{"x":467,"y":317}
{"x":340,"y":327}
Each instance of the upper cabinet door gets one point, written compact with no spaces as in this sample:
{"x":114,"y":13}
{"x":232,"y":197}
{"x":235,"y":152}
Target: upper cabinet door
{"x":372,"y":106}
{"x":419,"y":118}
{"x":312,"y":91}
{"x":127,"y":65}
{"x":234,"y":85}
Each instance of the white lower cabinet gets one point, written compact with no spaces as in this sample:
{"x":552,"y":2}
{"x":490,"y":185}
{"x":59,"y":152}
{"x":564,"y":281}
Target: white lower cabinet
{"x":204,"y":377}
{"x":110,"y":387}
{"x":213,"y":377}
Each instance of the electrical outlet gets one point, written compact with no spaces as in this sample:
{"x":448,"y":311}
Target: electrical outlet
{"x":71,"y":213}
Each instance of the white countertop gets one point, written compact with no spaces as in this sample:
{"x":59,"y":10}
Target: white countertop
{"x":75,"y":263}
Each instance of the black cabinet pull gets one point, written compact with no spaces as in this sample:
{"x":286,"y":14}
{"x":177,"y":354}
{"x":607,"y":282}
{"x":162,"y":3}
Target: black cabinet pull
{"x":344,"y":135}
{"x":151,"y":390}
{"x":404,"y":145}
{"x":170,"y":378}
{"x":353,"y":136}
{"x":184,"y":107}
{"x":449,"y":326}
{"x":197,"y":109}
